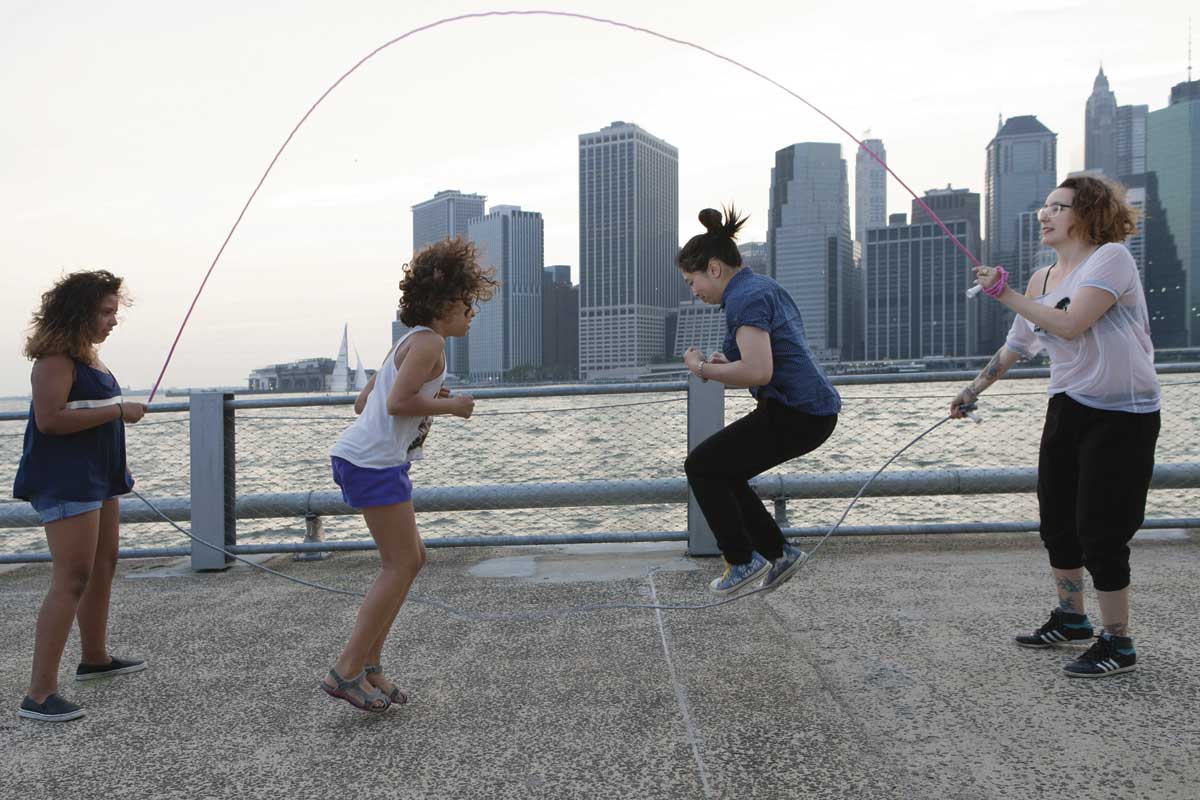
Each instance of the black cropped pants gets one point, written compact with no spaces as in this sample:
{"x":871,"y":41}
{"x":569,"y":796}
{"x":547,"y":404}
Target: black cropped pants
{"x":1094,"y":471}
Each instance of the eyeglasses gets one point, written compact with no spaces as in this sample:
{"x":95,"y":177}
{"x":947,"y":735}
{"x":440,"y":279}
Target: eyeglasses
{"x":1051,"y":211}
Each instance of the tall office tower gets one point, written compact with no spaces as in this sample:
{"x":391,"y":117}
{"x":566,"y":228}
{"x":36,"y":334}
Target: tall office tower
{"x":958,"y":204}
{"x":754,"y":256}
{"x":560,"y":323}
{"x":1163,"y":277}
{"x":916,"y":280}
{"x":1131,"y":140}
{"x":1135,"y":195}
{"x":870,"y":189}
{"x":1100,"y":128}
{"x":699,"y":324}
{"x":444,"y":216}
{"x":1032,"y":255}
{"x":507,"y":333}
{"x":808,"y":245}
{"x":1022,"y":169}
{"x":1173,"y":157}
{"x":628,"y":240}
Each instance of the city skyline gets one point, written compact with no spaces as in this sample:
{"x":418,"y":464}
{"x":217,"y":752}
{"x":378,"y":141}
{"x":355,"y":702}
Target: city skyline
{"x":150,"y":182}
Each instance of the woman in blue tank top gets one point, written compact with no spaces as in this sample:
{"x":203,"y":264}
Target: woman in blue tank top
{"x":72,"y":470}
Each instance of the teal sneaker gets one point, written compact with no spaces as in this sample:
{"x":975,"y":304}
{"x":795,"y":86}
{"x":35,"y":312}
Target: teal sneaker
{"x":738,"y":575}
{"x":785,"y":566}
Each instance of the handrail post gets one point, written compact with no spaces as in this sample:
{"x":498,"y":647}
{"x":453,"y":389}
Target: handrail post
{"x":705,"y":416}
{"x":214,"y":489}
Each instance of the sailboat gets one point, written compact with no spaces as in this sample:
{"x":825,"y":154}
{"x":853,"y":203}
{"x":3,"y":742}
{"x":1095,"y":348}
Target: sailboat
{"x":360,"y":374}
{"x":340,"y":380}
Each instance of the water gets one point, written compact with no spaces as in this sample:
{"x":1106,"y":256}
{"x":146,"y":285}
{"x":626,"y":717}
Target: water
{"x":569,"y":439}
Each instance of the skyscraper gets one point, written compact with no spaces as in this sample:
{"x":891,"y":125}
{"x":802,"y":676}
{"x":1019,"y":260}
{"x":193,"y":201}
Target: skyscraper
{"x":507,"y":333}
{"x":1100,"y":128}
{"x":1022,"y":169}
{"x":754,"y":256}
{"x":628,"y":239}
{"x":1164,"y":279}
{"x":870,"y":189}
{"x":560,"y":323}
{"x":1131,"y":140}
{"x":952,"y":204}
{"x":444,"y":216}
{"x":1173,"y":156}
{"x":808,"y":245}
{"x":916,"y":280}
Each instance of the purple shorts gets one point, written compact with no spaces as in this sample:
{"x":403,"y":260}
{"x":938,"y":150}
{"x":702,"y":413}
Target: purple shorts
{"x":364,"y":487}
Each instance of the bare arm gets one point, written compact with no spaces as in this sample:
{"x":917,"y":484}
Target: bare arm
{"x":52,"y":378}
{"x":421,"y":364}
{"x":755,"y":367}
{"x":360,"y":402}
{"x":1088,"y":305}
{"x":1000,"y":363}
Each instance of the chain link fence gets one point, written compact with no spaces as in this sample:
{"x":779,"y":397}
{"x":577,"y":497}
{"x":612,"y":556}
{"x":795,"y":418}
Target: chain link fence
{"x":620,"y":437}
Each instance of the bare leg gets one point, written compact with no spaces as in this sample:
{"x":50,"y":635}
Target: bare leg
{"x":375,"y":654}
{"x":1069,"y":583}
{"x":72,"y":543}
{"x":1114,"y":611}
{"x":92,"y":613}
{"x":394,"y":529}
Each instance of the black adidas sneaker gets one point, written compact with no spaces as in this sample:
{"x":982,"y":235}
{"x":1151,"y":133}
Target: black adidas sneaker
{"x":1110,"y":655}
{"x":1062,"y":627}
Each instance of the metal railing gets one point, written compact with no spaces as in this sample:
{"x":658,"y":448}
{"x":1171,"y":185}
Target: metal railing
{"x":216,"y":470}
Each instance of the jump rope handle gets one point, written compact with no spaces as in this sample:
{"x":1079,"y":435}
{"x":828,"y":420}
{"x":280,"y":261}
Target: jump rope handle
{"x":974,"y":290}
{"x":969,"y":410}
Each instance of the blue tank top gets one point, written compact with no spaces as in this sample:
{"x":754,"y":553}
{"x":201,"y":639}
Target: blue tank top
{"x":81,"y":466}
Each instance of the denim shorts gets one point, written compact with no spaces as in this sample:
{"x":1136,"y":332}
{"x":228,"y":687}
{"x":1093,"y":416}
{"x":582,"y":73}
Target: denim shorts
{"x":51,"y":509}
{"x":364,"y":487}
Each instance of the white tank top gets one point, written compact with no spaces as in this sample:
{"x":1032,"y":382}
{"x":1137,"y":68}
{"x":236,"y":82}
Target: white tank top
{"x":1109,"y":366}
{"x":377,"y":439}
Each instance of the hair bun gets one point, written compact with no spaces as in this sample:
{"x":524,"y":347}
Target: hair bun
{"x":710,"y":218}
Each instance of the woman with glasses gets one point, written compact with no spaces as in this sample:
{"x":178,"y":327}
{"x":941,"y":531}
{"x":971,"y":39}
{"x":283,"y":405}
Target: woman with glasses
{"x":1088,"y":312}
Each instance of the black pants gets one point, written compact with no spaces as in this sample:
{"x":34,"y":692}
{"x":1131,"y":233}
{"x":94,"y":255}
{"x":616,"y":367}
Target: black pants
{"x":720,"y":468}
{"x":1094,"y":471}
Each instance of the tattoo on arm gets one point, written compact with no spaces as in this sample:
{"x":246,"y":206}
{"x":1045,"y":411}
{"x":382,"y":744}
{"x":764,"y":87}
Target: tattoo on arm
{"x":989,"y":375}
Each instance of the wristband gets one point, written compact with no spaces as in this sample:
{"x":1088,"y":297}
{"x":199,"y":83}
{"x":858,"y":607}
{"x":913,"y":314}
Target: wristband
{"x":996,"y":289}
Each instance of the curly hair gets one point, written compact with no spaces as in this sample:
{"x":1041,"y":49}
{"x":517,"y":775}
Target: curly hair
{"x":66,"y":321}
{"x":441,"y":275}
{"x":718,"y":242}
{"x":1100,"y":207}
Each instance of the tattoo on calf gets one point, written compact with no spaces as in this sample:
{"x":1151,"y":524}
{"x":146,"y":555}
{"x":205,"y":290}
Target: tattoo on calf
{"x":1070,"y":595}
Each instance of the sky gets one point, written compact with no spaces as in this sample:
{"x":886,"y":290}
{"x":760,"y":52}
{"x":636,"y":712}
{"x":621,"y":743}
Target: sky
{"x":134,"y":132}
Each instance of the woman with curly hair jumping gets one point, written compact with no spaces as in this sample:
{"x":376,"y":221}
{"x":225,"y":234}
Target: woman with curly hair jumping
{"x":439,"y":292}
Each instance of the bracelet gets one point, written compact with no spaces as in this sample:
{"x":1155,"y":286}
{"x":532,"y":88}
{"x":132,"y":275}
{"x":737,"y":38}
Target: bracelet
{"x":997,"y":289}
{"x":700,"y":371}
{"x":121,"y":407}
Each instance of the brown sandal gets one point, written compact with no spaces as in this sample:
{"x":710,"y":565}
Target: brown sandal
{"x":374,"y":701}
{"x":397,"y":695}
